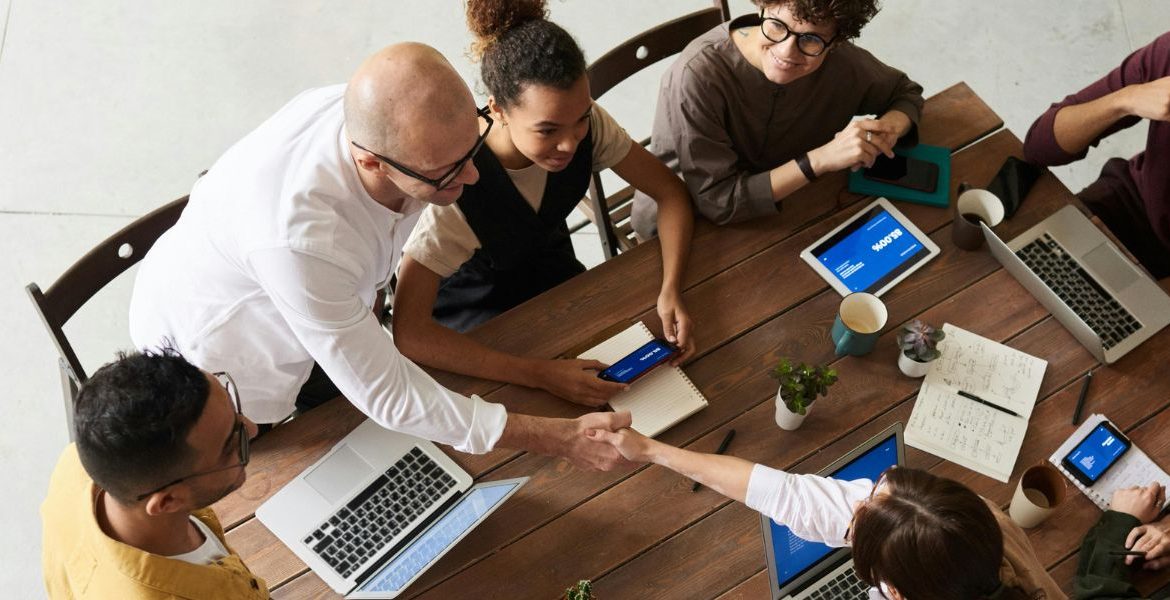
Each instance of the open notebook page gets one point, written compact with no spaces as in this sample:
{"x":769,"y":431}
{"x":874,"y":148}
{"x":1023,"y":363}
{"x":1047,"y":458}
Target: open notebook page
{"x":658,"y":400}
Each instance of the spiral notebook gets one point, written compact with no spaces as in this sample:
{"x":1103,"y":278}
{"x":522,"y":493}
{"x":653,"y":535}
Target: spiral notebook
{"x":1134,"y":468}
{"x":657,"y":401}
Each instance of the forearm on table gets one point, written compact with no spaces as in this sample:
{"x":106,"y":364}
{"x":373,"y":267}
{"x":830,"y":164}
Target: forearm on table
{"x":427,"y":342}
{"x":727,"y":475}
{"x":787,"y":178}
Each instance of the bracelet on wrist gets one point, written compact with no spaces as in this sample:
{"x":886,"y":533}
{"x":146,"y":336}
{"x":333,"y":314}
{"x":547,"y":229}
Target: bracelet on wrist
{"x":805,"y":166}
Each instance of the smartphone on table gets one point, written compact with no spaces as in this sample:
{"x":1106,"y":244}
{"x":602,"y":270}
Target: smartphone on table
{"x":640,"y":362}
{"x":1093,"y":456}
{"x":910,"y":173}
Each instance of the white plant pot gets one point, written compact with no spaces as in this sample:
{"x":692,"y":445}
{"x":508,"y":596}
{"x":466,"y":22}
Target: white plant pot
{"x":786,"y":419}
{"x":911,"y":367}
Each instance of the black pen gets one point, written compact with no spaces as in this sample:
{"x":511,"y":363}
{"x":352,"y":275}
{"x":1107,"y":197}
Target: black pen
{"x":722,"y":447}
{"x":1127,"y":553}
{"x":1081,"y":400}
{"x":986,"y":403}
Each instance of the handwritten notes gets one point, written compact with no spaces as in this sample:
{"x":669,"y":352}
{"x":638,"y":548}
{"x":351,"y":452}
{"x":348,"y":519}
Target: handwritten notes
{"x":966,"y":432}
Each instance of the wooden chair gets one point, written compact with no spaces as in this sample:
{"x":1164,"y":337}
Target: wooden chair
{"x":611,"y":213}
{"x":57,"y":304}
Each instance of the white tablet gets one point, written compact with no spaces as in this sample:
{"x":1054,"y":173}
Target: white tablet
{"x":872,"y":251}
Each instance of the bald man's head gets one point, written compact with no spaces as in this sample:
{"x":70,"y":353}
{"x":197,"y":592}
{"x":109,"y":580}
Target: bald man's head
{"x":401,"y":97}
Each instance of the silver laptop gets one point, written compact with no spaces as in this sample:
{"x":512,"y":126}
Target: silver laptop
{"x":1108,"y":303}
{"x":378,"y":510}
{"x":802,"y":570}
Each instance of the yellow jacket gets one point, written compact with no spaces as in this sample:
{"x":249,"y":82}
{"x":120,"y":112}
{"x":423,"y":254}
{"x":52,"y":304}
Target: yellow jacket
{"x":80,"y":561}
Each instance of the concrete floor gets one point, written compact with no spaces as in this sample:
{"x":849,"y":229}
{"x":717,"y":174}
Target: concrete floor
{"x":110,"y":108}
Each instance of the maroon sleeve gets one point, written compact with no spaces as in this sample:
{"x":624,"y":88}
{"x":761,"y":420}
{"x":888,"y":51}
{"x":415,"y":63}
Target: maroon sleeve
{"x":1145,"y":64}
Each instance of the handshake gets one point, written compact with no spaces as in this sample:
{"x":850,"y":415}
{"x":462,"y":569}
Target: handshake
{"x":602,"y":441}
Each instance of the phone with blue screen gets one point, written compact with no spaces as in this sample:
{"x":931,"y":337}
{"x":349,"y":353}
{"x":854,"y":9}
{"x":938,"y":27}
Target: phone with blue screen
{"x":639,"y":362}
{"x":1094,"y":455}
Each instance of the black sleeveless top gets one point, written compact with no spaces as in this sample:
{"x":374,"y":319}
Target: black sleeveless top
{"x":522,"y":252}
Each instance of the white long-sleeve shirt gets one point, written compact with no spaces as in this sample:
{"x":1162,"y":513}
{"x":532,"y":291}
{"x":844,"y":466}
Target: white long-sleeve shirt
{"x":275,"y":264}
{"x":815,"y":508}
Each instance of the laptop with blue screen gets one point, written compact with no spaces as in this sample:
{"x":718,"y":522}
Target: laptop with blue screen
{"x":799,"y":569}
{"x":378,"y":510}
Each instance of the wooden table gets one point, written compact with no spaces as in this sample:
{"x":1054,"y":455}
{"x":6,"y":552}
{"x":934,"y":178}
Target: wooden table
{"x":644,"y":534}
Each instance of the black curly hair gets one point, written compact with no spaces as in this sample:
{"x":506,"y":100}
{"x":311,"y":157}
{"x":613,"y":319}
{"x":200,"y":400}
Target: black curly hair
{"x":848,"y":15}
{"x":518,"y":47}
{"x":131,"y":421}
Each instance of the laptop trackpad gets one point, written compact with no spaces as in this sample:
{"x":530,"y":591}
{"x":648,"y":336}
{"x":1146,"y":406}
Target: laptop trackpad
{"x":335,"y":477}
{"x":1113,"y":271}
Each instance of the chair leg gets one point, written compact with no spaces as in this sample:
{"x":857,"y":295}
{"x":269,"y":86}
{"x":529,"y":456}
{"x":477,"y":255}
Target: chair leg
{"x":609,"y":241}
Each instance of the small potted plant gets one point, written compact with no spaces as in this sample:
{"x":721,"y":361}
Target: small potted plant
{"x":800,"y":385}
{"x":583,"y":590}
{"x":919,"y":344}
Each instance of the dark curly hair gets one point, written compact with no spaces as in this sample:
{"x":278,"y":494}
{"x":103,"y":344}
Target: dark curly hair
{"x":131,"y":421}
{"x":849,"y":15}
{"x":518,"y":47}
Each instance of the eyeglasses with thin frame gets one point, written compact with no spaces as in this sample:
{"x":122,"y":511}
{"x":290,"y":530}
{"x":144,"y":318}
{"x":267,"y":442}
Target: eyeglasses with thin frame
{"x":809,"y":44}
{"x":239,"y":433}
{"x":444,"y":180}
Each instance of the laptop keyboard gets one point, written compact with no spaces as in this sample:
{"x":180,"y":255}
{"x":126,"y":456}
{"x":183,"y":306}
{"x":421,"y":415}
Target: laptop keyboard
{"x":381,"y":511}
{"x":845,"y":586}
{"x":1060,"y":272}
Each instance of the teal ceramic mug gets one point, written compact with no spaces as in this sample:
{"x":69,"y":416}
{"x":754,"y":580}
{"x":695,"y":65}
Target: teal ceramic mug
{"x":858,"y":324}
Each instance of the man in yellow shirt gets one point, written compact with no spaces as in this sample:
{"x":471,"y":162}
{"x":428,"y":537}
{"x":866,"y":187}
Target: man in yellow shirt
{"x":157,"y":441}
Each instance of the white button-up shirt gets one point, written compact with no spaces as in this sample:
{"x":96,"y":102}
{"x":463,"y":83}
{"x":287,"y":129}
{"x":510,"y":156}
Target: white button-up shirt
{"x":275,"y":264}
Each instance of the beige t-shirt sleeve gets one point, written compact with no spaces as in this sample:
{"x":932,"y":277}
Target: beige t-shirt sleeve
{"x":611,"y":143}
{"x":442,"y":240}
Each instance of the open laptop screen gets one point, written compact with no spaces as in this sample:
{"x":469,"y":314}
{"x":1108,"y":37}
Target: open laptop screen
{"x":796,"y":555}
{"x":472,"y":508}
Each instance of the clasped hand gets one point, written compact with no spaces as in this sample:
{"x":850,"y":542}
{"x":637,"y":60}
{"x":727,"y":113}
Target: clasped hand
{"x":1145,"y":504}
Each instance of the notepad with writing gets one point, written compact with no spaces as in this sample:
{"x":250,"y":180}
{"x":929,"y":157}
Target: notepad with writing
{"x":983,"y":437}
{"x":657,"y":401}
{"x":1133,"y":468}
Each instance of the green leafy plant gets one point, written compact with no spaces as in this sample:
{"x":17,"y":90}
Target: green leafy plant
{"x":919,"y":341}
{"x":583,"y":590}
{"x":801,"y":384}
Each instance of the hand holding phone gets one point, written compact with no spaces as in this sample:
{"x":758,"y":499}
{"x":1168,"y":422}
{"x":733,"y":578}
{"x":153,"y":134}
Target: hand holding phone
{"x":910,"y":173}
{"x":639,"y":362}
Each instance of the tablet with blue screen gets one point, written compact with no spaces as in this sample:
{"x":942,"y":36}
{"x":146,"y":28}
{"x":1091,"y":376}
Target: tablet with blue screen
{"x":871,"y":252}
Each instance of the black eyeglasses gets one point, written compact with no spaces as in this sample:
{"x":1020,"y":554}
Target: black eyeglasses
{"x":240,"y":433}
{"x":446,"y":179}
{"x":809,"y":44}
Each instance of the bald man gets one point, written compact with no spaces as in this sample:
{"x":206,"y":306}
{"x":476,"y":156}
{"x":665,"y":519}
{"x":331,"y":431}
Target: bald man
{"x":275,"y":264}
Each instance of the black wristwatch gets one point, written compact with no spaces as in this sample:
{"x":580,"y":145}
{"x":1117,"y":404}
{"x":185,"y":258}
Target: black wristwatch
{"x":806,"y":167}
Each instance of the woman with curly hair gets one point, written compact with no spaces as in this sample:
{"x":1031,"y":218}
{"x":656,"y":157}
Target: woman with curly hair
{"x":505,"y":240}
{"x":756,"y":108}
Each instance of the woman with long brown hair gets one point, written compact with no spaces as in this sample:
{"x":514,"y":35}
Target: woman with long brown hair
{"x":914,"y":535}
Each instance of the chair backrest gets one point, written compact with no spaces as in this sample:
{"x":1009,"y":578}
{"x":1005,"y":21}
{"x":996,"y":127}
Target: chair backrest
{"x":616,"y":66}
{"x":101,"y":265}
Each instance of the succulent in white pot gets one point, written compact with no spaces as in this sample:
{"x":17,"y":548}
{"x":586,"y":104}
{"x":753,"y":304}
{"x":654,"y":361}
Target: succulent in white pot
{"x":918,"y":342}
{"x":800,"y":386}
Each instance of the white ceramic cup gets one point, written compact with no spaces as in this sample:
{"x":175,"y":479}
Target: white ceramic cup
{"x":1040,"y":490}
